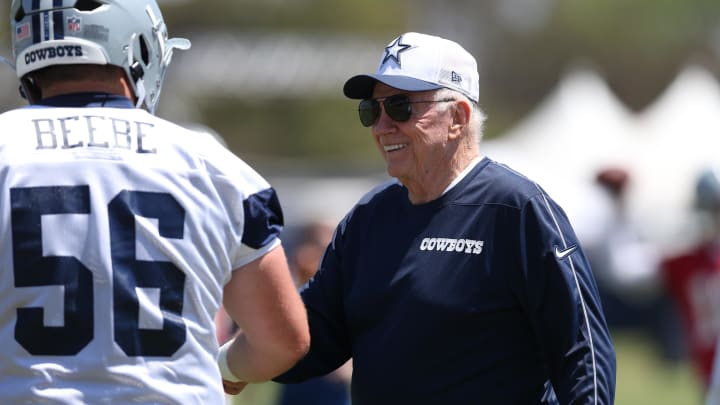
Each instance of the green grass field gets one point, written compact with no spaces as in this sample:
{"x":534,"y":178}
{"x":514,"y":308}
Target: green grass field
{"x":643,"y":378}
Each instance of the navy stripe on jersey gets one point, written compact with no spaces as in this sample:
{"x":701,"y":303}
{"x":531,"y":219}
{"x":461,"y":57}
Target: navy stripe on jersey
{"x":36,"y":33}
{"x":263,"y":218}
{"x":58,"y":26}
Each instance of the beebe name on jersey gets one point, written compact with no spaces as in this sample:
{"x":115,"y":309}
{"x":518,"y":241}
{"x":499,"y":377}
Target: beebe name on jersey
{"x":93,"y":131}
{"x":468,"y":246}
{"x":53,"y":52}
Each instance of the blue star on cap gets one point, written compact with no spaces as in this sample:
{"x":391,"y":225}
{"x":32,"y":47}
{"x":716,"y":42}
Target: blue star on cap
{"x":394,"y":50}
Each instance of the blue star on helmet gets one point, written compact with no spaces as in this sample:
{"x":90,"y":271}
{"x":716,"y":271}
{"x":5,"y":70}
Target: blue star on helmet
{"x":394,"y":50}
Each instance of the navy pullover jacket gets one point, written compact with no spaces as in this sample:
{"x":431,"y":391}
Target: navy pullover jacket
{"x":482,"y":296}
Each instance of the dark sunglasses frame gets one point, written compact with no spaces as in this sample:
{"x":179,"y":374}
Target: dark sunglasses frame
{"x":398,"y":107}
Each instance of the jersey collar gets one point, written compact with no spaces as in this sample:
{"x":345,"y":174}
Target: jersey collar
{"x":464,"y":173}
{"x":86,"y":100}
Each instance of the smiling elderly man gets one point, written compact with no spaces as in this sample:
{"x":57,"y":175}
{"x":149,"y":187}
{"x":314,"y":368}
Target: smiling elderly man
{"x":516,"y":319}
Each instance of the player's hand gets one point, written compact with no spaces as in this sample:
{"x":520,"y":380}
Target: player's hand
{"x":233,"y":388}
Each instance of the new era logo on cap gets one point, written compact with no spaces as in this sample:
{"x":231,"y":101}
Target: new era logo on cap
{"x":420,"y":62}
{"x":456,"y":77}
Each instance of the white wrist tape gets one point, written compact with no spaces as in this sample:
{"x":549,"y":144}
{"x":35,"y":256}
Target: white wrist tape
{"x":223,"y":363}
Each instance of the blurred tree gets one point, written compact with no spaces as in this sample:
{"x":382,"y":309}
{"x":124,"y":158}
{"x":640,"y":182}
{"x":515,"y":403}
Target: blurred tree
{"x":640,"y":45}
{"x":289,"y":15}
{"x":525,"y":46}
{"x":320,"y":128}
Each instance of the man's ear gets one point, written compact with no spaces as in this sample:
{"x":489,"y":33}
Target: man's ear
{"x":460,"y":111}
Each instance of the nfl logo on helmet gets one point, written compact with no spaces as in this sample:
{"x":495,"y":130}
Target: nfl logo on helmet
{"x":73,"y":24}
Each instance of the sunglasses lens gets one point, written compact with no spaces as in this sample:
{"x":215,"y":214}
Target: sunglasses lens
{"x":398,"y":107}
{"x":369,"y":110}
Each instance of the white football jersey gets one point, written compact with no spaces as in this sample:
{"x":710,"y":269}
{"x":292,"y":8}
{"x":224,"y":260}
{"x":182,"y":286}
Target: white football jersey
{"x":118,"y":231}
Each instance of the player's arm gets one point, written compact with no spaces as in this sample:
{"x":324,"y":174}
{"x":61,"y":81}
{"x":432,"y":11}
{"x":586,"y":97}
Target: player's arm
{"x":261,"y":298}
{"x":323,"y":296}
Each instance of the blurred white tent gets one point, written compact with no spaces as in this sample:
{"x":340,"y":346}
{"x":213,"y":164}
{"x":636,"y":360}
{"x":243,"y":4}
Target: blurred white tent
{"x":582,"y":127}
{"x":680,"y":137}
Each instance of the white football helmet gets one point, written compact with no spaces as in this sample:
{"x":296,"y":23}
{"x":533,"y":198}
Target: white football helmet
{"x":130,"y":34}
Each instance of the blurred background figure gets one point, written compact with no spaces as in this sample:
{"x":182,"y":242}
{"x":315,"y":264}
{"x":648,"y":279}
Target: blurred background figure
{"x":311,"y":241}
{"x":332,"y":389}
{"x":626,"y":265}
{"x":693,"y":278}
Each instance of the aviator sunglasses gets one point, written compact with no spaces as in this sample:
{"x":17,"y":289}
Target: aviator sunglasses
{"x":398,"y":107}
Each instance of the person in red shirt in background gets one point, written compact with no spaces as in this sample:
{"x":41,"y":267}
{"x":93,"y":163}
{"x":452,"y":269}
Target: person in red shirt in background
{"x":693,"y":279}
{"x":626,"y":263}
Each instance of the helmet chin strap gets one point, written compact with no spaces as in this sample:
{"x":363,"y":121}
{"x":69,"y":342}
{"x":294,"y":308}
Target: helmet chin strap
{"x":136,"y":73}
{"x":141,"y":94}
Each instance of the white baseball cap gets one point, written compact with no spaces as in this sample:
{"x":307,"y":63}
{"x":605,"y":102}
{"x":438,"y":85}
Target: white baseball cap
{"x":420,"y":62}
